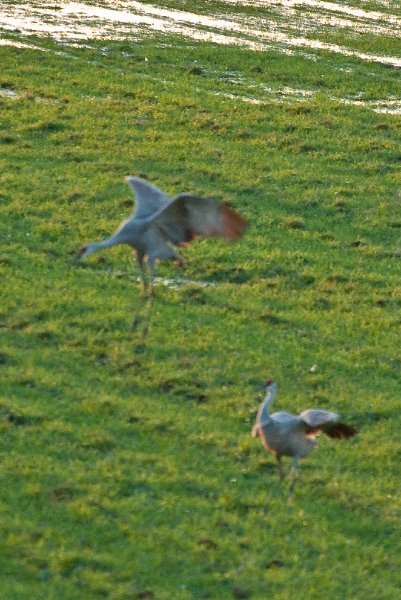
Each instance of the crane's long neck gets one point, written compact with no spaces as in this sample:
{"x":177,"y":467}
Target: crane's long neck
{"x":264,"y":410}
{"x":107,"y":243}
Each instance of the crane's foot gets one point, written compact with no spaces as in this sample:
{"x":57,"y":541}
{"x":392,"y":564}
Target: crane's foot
{"x":293,"y":475}
{"x":140,"y":348}
{"x":281,"y":472}
{"x":135,"y":326}
{"x":135,"y":323}
{"x":181,"y":263}
{"x":142,"y":315}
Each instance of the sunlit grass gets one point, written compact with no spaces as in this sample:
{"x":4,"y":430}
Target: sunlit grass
{"x":128,"y":471}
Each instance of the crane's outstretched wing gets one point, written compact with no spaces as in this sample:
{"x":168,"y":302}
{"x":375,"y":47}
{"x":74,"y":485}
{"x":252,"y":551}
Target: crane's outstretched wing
{"x":188,"y":216}
{"x":317,"y":420}
{"x":149,"y":198}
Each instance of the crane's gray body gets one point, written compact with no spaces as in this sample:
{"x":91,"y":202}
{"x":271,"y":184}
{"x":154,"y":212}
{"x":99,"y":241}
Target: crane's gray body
{"x":284,"y":434}
{"x":146,"y":238}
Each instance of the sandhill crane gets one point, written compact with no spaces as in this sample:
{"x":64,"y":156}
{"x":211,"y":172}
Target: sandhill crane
{"x":285,"y":434}
{"x":159,"y":223}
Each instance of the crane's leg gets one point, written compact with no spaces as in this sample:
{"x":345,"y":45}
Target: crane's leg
{"x":276,"y":486}
{"x":280,"y":467}
{"x":179,"y":260}
{"x":145,"y":290}
{"x":293,"y":477}
{"x":164,"y":254}
{"x":148,"y":274}
{"x":150,"y":295}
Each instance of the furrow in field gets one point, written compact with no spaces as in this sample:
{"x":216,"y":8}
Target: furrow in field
{"x":76,"y":21}
{"x":264,"y":93}
{"x":329,"y":7}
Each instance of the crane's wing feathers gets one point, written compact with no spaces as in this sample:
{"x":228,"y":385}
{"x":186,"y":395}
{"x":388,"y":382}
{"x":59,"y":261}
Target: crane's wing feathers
{"x":317,"y":420}
{"x":315,"y":417}
{"x":149,"y":198}
{"x":188,"y":216}
{"x":338,"y":430}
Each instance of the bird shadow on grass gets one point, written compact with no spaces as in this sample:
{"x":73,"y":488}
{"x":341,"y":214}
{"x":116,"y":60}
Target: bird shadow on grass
{"x":272,"y":319}
{"x":195,"y":391}
{"x":367,"y":418}
{"x":198,"y":297}
{"x":279,"y":489}
{"x":234,"y":275}
{"x":24,"y":420}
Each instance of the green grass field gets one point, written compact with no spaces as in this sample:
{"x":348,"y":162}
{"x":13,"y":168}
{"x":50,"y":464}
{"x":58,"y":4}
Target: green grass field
{"x":128,"y":470}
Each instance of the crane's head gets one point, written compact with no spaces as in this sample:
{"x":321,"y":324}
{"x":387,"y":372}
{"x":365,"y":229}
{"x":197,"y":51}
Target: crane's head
{"x":84,"y":251}
{"x":268,"y":384}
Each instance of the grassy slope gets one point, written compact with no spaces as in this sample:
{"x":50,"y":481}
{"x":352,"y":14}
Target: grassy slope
{"x":127,"y":471}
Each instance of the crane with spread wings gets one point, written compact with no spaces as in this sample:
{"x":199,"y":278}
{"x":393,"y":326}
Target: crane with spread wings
{"x":158,"y":224}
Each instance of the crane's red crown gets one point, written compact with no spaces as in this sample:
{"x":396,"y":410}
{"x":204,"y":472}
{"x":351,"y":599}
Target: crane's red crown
{"x":269,"y":382}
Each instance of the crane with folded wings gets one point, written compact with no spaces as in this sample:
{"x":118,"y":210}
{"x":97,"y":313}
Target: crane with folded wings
{"x":285,"y":434}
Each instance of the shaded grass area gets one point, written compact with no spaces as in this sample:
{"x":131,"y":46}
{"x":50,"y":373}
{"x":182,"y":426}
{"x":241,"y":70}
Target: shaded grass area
{"x":128,"y":470}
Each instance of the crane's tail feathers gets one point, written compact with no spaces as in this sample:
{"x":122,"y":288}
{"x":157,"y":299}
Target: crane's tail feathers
{"x":233,"y":224}
{"x":340,"y":430}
